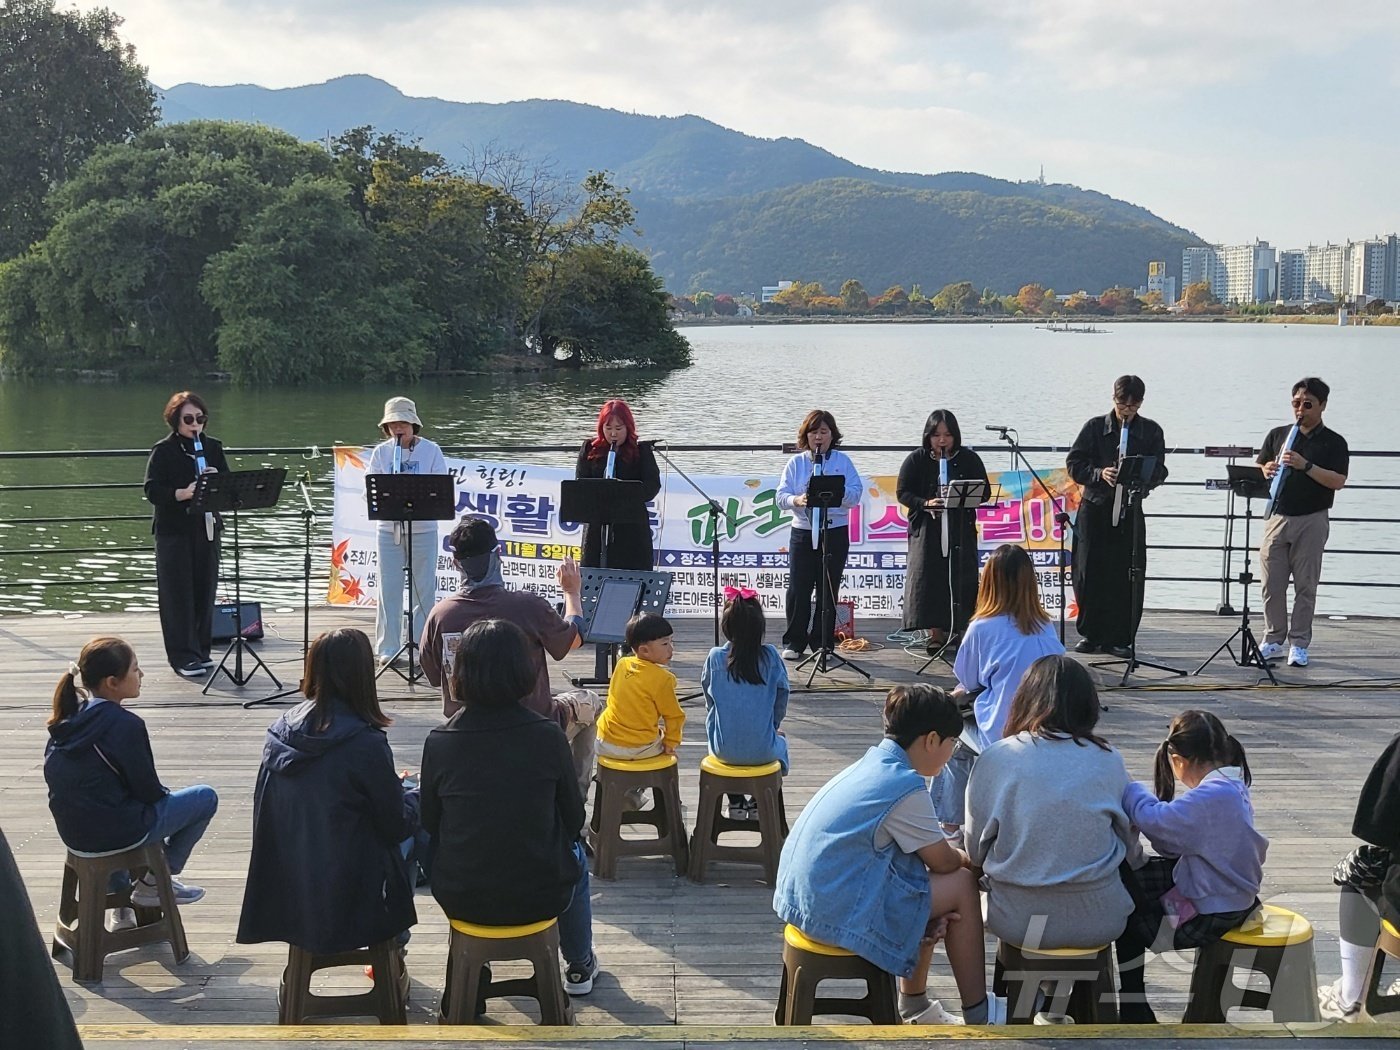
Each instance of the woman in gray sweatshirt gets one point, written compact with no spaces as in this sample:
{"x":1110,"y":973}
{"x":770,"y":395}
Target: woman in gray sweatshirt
{"x":1045,"y":818}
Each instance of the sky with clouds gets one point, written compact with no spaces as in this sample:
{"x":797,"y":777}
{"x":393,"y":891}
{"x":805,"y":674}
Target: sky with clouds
{"x":1235,"y":118}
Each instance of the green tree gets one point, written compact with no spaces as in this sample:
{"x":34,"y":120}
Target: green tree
{"x":705,"y":303}
{"x":853,"y":296}
{"x":68,"y":84}
{"x":893,"y":300}
{"x":955,"y":299}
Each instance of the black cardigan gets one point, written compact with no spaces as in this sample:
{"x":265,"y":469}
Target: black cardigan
{"x":171,"y":467}
{"x":501,"y":804}
{"x":1378,"y":821}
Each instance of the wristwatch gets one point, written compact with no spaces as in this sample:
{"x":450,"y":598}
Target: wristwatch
{"x":1308,"y":468}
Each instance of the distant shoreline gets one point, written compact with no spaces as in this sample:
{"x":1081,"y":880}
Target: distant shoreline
{"x":1094,"y":319}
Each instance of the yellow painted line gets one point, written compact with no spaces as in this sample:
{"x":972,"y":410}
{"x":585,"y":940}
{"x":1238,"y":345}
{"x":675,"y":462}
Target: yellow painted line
{"x":420,"y":1033}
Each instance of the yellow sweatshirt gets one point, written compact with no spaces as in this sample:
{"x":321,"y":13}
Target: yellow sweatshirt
{"x":640,"y":695}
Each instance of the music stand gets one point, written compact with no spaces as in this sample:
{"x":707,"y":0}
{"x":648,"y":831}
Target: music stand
{"x":1249,"y":483}
{"x":603,"y":503}
{"x":961,"y":494}
{"x":825,"y":491}
{"x":611,"y":597}
{"x":1134,"y":475}
{"x":407,"y":498}
{"x":228,"y":493}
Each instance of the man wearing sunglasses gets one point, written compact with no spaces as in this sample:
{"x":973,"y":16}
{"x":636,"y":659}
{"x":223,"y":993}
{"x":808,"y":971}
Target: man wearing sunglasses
{"x":1296,"y":534}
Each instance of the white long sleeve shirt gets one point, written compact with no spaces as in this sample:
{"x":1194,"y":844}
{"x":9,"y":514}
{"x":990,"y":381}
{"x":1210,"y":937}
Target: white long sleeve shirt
{"x":425,"y":457}
{"x":798,"y":473}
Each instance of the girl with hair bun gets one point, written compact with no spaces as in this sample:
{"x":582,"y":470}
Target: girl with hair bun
{"x":1206,"y":880}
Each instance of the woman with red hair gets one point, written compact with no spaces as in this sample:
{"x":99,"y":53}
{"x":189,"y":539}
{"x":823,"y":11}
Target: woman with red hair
{"x":614,"y":452}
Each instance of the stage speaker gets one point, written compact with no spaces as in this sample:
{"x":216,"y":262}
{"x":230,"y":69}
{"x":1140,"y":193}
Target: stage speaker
{"x":251,"y":617}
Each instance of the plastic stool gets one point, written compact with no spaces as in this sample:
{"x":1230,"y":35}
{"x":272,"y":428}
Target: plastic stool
{"x":806,"y":963}
{"x":764,"y":783}
{"x":617,"y":776}
{"x":1373,"y":1003}
{"x":81,"y":932}
{"x":387,"y":1000}
{"x":1083,"y":980}
{"x":1274,"y":942}
{"x":470,"y":947}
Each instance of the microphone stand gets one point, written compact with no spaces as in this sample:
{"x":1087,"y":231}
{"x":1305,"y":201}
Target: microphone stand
{"x":308,"y":515}
{"x":1061,"y":518}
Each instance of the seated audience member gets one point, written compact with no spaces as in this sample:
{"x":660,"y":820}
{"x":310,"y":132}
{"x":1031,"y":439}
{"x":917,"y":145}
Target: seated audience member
{"x":502,"y":806}
{"x":483,"y":596}
{"x":330,"y":816}
{"x":104,"y":792}
{"x":642,"y":717}
{"x":1205,"y":881}
{"x":867,"y":867}
{"x":1369,"y":877}
{"x":33,"y":1011}
{"x":1045,"y":818}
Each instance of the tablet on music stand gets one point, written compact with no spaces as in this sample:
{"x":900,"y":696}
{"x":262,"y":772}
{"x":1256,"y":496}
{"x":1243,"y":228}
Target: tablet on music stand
{"x":618,"y":601}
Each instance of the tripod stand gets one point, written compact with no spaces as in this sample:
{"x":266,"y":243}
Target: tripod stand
{"x":1133,"y":473}
{"x":825,"y":491}
{"x":406,"y":499}
{"x":1009,"y":435}
{"x":1248,"y":483}
{"x":308,"y":515}
{"x":239,"y":490}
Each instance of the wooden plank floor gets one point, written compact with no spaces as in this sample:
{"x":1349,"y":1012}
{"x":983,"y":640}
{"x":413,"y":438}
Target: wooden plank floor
{"x":672,"y":952}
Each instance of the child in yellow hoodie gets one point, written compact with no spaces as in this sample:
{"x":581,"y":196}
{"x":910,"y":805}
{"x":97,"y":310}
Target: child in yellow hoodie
{"x":642,"y":695}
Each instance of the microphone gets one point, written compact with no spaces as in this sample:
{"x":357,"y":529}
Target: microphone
{"x":611,"y":467}
{"x":998,"y":430}
{"x":398,"y":454}
{"x":200,"y":465}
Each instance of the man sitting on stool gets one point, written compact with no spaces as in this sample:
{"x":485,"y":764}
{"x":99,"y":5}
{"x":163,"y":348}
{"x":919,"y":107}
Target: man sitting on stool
{"x":1297,"y":533}
{"x":1109,"y":611}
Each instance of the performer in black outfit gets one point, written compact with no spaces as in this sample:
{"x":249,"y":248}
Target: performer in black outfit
{"x":629,"y":546}
{"x":187,"y":544}
{"x":1109,"y":612}
{"x":929,"y":585}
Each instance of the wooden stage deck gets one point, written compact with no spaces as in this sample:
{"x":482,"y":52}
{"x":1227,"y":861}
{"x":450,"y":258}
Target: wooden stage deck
{"x":672,"y":953}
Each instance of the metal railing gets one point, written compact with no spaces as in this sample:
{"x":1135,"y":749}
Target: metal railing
{"x":1228,"y":515}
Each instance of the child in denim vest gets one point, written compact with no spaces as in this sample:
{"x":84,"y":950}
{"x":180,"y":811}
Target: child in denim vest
{"x":746,"y":694}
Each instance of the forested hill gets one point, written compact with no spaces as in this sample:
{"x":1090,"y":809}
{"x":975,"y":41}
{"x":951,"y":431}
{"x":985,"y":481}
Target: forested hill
{"x":728,"y":212}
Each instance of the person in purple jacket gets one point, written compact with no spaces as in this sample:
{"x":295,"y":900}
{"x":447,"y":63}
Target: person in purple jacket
{"x":1205,"y":881}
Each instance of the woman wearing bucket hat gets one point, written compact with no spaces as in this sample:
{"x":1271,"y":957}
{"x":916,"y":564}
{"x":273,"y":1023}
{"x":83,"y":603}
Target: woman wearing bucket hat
{"x":404,"y":452}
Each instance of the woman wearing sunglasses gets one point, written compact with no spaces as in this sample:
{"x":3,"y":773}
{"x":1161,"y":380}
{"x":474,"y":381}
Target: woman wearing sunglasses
{"x":187,"y":542}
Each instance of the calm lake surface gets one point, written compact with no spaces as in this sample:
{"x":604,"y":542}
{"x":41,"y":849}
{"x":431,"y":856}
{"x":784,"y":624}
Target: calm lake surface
{"x":1207,"y":384}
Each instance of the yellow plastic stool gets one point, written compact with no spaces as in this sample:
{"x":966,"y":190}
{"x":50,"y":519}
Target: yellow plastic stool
{"x":470,"y":946}
{"x":1387,"y":946}
{"x":1274,"y":942}
{"x":1083,"y":980}
{"x":765,"y":784}
{"x":808,"y":962}
{"x":616,"y":777}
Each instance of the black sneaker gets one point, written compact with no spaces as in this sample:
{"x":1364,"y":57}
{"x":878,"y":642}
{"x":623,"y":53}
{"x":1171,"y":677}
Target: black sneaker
{"x":1086,"y":646}
{"x":578,"y":978}
{"x":193,"y":669}
{"x":1122,"y":652}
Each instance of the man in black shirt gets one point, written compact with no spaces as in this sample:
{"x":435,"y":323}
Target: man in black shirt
{"x":1294,"y":537}
{"x":1109,"y":610}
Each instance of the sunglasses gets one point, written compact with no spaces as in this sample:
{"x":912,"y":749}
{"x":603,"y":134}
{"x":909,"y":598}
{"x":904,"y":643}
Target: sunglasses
{"x":201,"y":419}
{"x":1302,"y":403}
{"x":1127,"y":404}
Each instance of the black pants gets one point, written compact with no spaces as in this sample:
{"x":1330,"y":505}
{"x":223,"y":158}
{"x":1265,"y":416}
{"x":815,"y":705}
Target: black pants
{"x":1109,"y":608}
{"x":187,"y":576}
{"x":804,"y":568}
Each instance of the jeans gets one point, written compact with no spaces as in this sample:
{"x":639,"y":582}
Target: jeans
{"x":181,"y":818}
{"x":388,"y":616}
{"x":949,"y":788}
{"x":576,"y":924}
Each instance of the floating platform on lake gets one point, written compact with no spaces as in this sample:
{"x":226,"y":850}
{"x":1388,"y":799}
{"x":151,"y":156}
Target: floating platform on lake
{"x":706,"y":957}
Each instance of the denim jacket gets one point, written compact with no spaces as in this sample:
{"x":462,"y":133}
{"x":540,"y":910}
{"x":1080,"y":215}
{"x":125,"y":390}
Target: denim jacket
{"x":836,"y":887}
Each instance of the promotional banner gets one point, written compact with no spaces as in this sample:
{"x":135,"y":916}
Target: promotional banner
{"x":522,"y":503}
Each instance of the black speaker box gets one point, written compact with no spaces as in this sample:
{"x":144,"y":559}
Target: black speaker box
{"x":251,"y":617}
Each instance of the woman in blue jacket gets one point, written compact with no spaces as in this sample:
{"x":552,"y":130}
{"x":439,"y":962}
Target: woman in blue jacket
{"x":103,"y":789}
{"x":330,"y":815}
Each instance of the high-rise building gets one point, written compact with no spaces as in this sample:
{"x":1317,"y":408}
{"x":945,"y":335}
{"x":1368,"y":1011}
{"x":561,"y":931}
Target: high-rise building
{"x":1325,"y":272}
{"x":1197,"y":265}
{"x":1371,"y":268}
{"x":1236,"y":273}
{"x":1292,"y":284}
{"x":1159,"y":282}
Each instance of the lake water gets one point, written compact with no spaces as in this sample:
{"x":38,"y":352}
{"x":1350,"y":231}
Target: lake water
{"x":1207,"y":384}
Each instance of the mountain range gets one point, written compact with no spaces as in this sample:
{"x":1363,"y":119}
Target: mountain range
{"x":729,"y":212}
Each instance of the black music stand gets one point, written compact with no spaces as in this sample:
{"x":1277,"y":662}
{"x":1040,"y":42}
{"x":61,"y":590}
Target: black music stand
{"x":308,"y":515}
{"x":602,"y":503}
{"x":1134,"y":474}
{"x":407,"y":498}
{"x":228,"y":493}
{"x":962,"y":493}
{"x":1249,"y":483}
{"x":825,"y":491}
{"x":611,"y":597}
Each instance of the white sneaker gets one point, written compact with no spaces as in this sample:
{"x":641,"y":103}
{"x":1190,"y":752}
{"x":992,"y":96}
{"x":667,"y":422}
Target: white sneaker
{"x":1044,"y":1017}
{"x":1297,"y":656}
{"x":119,"y":919}
{"x":934,"y":1013}
{"x":791,"y":654}
{"x":145,"y":895}
{"x":996,"y":1009}
{"x":1331,"y":1006}
{"x":1271,"y":650}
